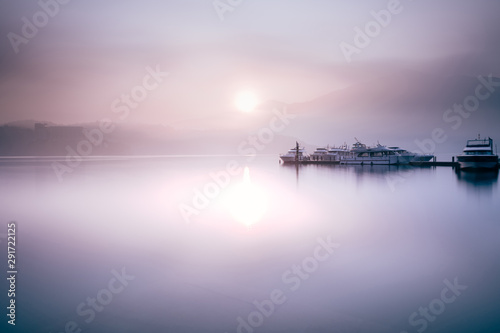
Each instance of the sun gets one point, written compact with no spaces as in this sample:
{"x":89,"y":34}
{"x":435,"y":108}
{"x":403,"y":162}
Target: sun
{"x":246,"y":101}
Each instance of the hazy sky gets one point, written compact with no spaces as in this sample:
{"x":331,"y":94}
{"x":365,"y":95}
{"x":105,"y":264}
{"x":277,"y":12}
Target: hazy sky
{"x":91,"y":52}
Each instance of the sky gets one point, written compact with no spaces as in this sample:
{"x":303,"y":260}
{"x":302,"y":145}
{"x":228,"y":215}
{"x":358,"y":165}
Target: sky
{"x":88,"y":54}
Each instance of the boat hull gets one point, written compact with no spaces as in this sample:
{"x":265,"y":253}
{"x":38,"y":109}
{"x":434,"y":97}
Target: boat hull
{"x":422,"y":158}
{"x":293,"y":159}
{"x":386,"y":160}
{"x":287,"y":159}
{"x":324,"y":158}
{"x":478,"y":162}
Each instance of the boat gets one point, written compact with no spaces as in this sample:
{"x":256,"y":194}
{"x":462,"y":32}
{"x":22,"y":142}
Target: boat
{"x":338,"y":153}
{"x":329,"y":154}
{"x":319,"y":154}
{"x":379,"y":155}
{"x":382,"y":155}
{"x":295,"y":155}
{"x":478,"y":154}
{"x":412,"y":157}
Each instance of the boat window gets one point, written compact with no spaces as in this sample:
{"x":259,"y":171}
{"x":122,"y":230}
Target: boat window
{"x":478,"y":153}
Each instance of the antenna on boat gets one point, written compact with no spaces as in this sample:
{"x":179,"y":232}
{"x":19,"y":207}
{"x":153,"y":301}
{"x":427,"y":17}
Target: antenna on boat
{"x":296,"y":151}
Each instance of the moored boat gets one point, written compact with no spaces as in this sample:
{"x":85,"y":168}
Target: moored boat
{"x":295,"y":155}
{"x":319,"y":154}
{"x":382,"y":155}
{"x":378,"y":155}
{"x":410,"y":156}
{"x":329,"y":154}
{"x":338,"y":153}
{"x":478,"y":154}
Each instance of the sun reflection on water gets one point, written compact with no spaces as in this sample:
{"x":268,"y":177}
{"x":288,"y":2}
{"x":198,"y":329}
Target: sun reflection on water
{"x":246,"y":202}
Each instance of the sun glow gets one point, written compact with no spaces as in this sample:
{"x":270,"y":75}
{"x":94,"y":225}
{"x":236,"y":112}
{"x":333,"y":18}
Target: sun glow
{"x":246,"y":101}
{"x":246,"y":202}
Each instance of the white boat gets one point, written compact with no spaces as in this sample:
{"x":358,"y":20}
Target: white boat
{"x":360,"y":154}
{"x":329,"y":154}
{"x":319,"y":154}
{"x":338,"y":153}
{"x":478,"y":154}
{"x":381,"y":155}
{"x":295,"y":155}
{"x":412,"y":157}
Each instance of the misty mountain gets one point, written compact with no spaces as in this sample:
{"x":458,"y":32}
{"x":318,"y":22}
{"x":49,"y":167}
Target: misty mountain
{"x":43,"y":139}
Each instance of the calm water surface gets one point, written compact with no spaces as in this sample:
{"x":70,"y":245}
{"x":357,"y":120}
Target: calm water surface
{"x":268,"y":248}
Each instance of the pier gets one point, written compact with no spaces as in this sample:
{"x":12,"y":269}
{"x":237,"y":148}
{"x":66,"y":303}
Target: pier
{"x":422,"y":164}
{"x":452,"y":164}
{"x":362,"y":155}
{"x":435,"y":163}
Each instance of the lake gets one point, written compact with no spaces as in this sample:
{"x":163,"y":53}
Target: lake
{"x":241,"y":244}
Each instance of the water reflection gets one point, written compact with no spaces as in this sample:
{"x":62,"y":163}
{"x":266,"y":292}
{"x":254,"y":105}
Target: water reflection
{"x":246,"y":201}
{"x":477,"y":179}
{"x":383,"y":173}
{"x":357,"y":169}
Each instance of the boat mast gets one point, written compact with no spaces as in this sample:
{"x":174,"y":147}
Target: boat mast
{"x":296,"y":151}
